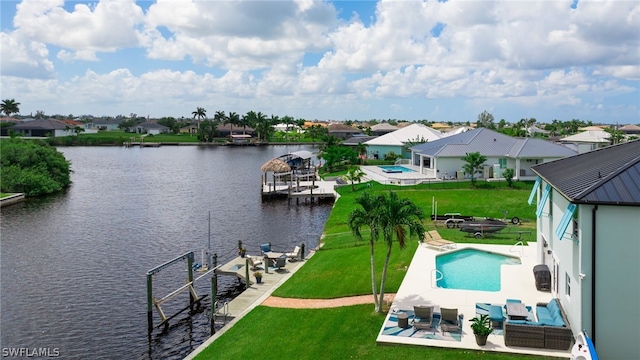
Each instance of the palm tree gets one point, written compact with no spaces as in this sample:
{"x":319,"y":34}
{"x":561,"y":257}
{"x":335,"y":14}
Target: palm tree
{"x":10,"y":106}
{"x":354,"y":174}
{"x":365,"y":215}
{"x":473,"y":164}
{"x":394,"y":216}
{"x":199,"y":113}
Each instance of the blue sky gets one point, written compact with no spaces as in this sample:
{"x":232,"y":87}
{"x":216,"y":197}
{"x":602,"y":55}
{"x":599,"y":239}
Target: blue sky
{"x":341,"y":60}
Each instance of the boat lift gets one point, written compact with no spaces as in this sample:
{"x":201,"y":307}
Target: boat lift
{"x":194,"y":299}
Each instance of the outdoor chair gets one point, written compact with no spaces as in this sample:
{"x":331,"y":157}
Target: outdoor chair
{"x":253,"y":262}
{"x":450,"y":321}
{"x":280,"y":262}
{"x":430,"y":242}
{"x":295,"y":254}
{"x":423,"y":317}
{"x":435,"y":235}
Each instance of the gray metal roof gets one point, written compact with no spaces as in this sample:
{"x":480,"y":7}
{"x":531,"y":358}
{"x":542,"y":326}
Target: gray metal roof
{"x":491,"y":143}
{"x":42,"y":124}
{"x":357,"y":139}
{"x":609,"y":175}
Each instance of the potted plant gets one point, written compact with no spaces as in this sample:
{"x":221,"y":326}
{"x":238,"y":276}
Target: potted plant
{"x":258,"y":276}
{"x":481,"y":326}
{"x":242,"y":252}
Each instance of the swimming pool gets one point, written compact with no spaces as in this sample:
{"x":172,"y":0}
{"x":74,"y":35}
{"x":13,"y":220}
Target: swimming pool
{"x":471,"y":269}
{"x":390,"y":169}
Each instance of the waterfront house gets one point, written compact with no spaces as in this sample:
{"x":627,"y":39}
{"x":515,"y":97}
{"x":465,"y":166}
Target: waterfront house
{"x":43,"y":128}
{"x":587,"y":217}
{"x":442,"y":159}
{"x":151,"y":128}
{"x":398,"y":141}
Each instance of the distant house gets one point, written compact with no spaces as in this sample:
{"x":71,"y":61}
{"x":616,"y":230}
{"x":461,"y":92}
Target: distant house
{"x":630,"y":129}
{"x":382,"y":128}
{"x":150,"y":127}
{"x":588,"y":229}
{"x":189,"y":129}
{"x":44,"y":128}
{"x":103,"y":124}
{"x":226,"y":130}
{"x":587,"y":140}
{"x":342,"y":131}
{"x":442,"y":159}
{"x":398,"y":141}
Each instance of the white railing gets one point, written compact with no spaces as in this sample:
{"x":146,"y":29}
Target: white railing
{"x":403,"y":162}
{"x":515,"y":249}
{"x":439,"y":276}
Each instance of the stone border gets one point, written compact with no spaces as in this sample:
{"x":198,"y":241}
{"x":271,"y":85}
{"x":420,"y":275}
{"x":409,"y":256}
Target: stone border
{"x":11,"y":199}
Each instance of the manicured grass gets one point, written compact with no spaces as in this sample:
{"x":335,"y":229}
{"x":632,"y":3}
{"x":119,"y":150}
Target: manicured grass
{"x":339,"y":333}
{"x":342,"y":268}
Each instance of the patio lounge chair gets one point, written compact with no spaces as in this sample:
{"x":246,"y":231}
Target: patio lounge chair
{"x":450,"y":320}
{"x":429,"y":242}
{"x":280,"y":262}
{"x":447,"y":244}
{"x":253,"y":262}
{"x":423,"y":317}
{"x":295,"y":254}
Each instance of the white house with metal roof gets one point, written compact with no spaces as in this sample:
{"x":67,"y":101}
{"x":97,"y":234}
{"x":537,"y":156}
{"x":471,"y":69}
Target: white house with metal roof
{"x":588,"y":234}
{"x":587,"y":140}
{"x":398,"y":140}
{"x":442,"y":159}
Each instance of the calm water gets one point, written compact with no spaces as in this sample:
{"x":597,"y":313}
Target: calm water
{"x":73,"y":265}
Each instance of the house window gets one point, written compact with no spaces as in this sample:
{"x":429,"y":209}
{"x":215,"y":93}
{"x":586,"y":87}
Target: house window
{"x":567,"y":288}
{"x":503,"y":163}
{"x":575,"y":224}
{"x":551,"y":204}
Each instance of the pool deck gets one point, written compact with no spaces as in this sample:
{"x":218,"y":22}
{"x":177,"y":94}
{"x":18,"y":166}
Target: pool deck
{"x":401,"y":178}
{"x":516,"y":283}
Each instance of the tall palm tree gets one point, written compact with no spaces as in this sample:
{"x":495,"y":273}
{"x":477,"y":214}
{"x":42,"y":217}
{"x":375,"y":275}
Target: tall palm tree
{"x":394,"y":216}
{"x":10,"y":106}
{"x":199,"y":113}
{"x":362,"y":216}
{"x":354,"y":174}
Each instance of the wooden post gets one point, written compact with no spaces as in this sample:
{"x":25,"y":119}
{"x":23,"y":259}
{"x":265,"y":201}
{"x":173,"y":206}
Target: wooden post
{"x":302,"y":251}
{"x":149,"y":303}
{"x":215,"y":273}
{"x":190,"y":266}
{"x":214,"y":290}
{"x":246,"y":273}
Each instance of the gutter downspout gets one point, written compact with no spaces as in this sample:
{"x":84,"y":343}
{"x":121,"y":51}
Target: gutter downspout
{"x":593,"y":273}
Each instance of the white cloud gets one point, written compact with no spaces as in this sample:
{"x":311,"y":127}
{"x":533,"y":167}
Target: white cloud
{"x":24,"y":58}
{"x":533,"y":53}
{"x":107,"y":26}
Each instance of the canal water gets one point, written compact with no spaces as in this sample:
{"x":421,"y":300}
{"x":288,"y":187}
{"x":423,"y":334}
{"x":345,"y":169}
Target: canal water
{"x":73,"y":266}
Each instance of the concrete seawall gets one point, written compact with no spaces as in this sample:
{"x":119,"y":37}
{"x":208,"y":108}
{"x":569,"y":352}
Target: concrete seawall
{"x":11,"y":199}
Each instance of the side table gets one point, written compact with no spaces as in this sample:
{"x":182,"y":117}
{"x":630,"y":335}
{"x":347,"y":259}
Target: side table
{"x":403,"y":320}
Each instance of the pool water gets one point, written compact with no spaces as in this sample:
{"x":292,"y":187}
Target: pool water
{"x":395,"y":169}
{"x":472,"y":269}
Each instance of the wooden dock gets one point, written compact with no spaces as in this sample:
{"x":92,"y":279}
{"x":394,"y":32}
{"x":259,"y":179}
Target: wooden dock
{"x":255,"y":293}
{"x":312,"y":190}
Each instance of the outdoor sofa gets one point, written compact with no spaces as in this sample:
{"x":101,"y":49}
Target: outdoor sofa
{"x":551,"y":331}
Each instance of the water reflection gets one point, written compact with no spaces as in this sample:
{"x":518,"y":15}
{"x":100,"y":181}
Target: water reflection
{"x":74,"y":264}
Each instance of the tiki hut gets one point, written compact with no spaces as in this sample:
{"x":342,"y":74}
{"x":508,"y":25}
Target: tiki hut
{"x":278,"y":168}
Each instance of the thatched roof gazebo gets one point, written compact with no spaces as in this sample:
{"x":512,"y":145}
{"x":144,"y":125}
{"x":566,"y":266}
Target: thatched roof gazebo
{"x":275,"y":166}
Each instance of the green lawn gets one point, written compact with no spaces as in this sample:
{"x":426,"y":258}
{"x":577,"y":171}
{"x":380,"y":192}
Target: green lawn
{"x":341,"y":268}
{"x":338,"y":333}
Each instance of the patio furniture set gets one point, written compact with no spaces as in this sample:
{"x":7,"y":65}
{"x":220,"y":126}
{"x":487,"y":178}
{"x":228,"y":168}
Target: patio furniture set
{"x":450,"y":320}
{"x":551,"y":331}
{"x":272,"y":259}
